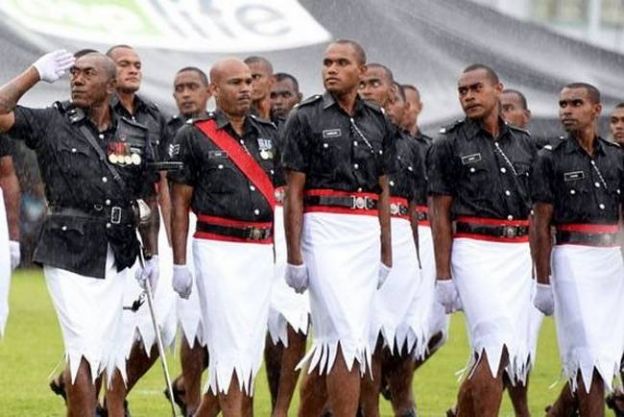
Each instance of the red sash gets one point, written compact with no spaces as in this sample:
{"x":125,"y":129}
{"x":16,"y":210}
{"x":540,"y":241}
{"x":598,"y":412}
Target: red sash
{"x":243,"y":160}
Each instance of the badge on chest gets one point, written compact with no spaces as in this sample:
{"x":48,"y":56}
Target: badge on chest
{"x":121,"y":153}
{"x":266,"y":148}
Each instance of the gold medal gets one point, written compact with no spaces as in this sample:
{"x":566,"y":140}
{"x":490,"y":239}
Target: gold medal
{"x":136,"y":159}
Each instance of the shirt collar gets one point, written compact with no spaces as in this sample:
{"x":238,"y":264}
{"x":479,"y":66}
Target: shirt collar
{"x":223,"y":122}
{"x":138,"y":104}
{"x":475,"y":127}
{"x":329,"y":100}
{"x":572,"y":145}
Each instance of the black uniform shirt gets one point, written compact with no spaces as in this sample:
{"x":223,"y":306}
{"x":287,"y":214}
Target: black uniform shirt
{"x":582,"y":188}
{"x":6,"y":146}
{"x":335,"y":150}
{"x":220,"y":188}
{"x":279,"y":178}
{"x":407,"y":178}
{"x":147,"y":114}
{"x":487,"y":178}
{"x":423,"y":142}
{"x":77,"y":178}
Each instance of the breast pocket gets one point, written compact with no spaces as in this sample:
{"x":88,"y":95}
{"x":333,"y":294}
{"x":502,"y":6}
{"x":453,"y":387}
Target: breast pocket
{"x":477,"y":181}
{"x":328,"y":154}
{"x":222,"y":176}
{"x":75,"y":159}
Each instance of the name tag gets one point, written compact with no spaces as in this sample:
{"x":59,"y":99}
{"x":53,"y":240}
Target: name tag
{"x":217,"y":154}
{"x":264,"y":144}
{"x":470,"y":159}
{"x":573,"y":176}
{"x":332,"y":133}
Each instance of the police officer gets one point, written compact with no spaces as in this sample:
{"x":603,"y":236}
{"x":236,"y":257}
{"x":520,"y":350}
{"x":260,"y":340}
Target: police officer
{"x":478,"y":176}
{"x":262,"y":73}
{"x":226,"y":181}
{"x":191,"y":93}
{"x":89,"y":237}
{"x":289,"y":313}
{"x":616,"y":123}
{"x":139,"y":338}
{"x":577,"y":186}
{"x":336,"y":156}
{"x":284,"y":96}
{"x":9,"y":225}
{"x":514,"y":108}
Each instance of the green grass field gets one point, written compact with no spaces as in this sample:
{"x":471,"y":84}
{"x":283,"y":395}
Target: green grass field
{"x":32,"y":348}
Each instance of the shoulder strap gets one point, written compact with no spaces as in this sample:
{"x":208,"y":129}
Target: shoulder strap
{"x":244,"y":161}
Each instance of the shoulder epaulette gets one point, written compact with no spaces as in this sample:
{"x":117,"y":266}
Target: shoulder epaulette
{"x":449,"y":128}
{"x":518,"y":129}
{"x":374,"y":106}
{"x":62,"y":106}
{"x":309,"y":100}
{"x":134,"y":123}
{"x":608,"y":142}
{"x":262,"y":121}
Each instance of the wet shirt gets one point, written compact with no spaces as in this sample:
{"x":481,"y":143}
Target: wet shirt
{"x":6,"y":146}
{"x":219,"y":187}
{"x":147,"y":114}
{"x":582,"y":188}
{"x":80,"y":188}
{"x":279,"y":178}
{"x":486,"y":177}
{"x":423,"y":142}
{"x":407,"y":178}
{"x":335,"y":150}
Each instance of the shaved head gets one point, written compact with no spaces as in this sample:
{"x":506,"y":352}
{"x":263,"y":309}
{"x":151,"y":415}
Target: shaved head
{"x":220,"y":70}
{"x":230,"y":84}
{"x":102,"y":61}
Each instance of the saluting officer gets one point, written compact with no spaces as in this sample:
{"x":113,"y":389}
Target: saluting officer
{"x":226,"y":181}
{"x":337,"y":152}
{"x":191,"y":93}
{"x":89,"y":237}
{"x":577,"y":186}
{"x":9,"y":225}
{"x":478,"y":176}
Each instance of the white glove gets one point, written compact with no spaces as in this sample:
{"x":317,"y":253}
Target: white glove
{"x":447,"y":295}
{"x":543,"y":299}
{"x":150,"y":271}
{"x":14,"y":248}
{"x":297,"y":277}
{"x":182,"y":281}
{"x":384,"y":271}
{"x":53,"y":65}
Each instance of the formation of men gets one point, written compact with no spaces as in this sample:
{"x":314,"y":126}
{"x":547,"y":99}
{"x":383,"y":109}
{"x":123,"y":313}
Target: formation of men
{"x":273,"y":218}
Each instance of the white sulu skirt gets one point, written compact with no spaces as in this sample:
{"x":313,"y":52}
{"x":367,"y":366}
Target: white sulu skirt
{"x":588,"y":285}
{"x":287,"y":307}
{"x":138,"y":325}
{"x":494,"y":283}
{"x":397,"y":313}
{"x":342,"y":253}
{"x":189,"y":311}
{"x":5,"y":266}
{"x":234,"y":288}
{"x":89,"y":312}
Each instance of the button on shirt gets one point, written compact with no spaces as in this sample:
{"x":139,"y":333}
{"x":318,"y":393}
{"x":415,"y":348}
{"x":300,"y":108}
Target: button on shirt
{"x":220,"y":188}
{"x":407,"y":178}
{"x":487,"y":177}
{"x":336,"y":150}
{"x":582,"y":188}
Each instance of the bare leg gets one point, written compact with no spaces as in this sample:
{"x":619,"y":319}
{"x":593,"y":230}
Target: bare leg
{"x":272,"y":363}
{"x":591,"y":404}
{"x":486,"y":391}
{"x":288,"y":376}
{"x":371,"y":383}
{"x":519,"y":397}
{"x":209,"y":406}
{"x":343,"y":387}
{"x":313,"y":394}
{"x":400,"y":371}
{"x":193,"y":361}
{"x":137,"y":365}
{"x":565,"y":405}
{"x":81,"y":400}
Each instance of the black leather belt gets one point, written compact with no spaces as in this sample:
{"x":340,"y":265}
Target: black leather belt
{"x":495,"y":231}
{"x":588,"y":239}
{"x":247,"y":233}
{"x":352,"y":202}
{"x":398,"y":209}
{"x":422,"y":216}
{"x":110,"y":214}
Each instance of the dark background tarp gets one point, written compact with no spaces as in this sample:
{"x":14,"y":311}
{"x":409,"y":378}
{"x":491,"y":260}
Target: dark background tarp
{"x":424,"y":42}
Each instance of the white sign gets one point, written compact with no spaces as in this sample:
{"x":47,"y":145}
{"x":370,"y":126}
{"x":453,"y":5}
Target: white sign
{"x":218,"y":26}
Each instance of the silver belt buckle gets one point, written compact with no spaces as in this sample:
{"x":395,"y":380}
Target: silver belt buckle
{"x":255,"y":233}
{"x":510,"y":231}
{"x":394,"y":209}
{"x":359,"y":202}
{"x":116,"y":215}
{"x":608,"y":239}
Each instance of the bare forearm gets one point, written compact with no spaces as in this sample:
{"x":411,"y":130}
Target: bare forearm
{"x":293,"y":216}
{"x":442,"y":230}
{"x":541,"y":247}
{"x":11,"y":92}
{"x":164,"y":200}
{"x":180,"y":204}
{"x":149,"y":231}
{"x":383,"y":207}
{"x":12,"y":200}
{"x":413,"y":218}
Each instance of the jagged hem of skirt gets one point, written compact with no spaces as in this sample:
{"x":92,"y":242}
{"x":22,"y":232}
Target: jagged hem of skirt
{"x":96,"y":366}
{"x":409,"y":339}
{"x":148,"y":339}
{"x":220,"y":376}
{"x":323,"y":355}
{"x":192,"y":333}
{"x":608,"y":373}
{"x":279,"y":331}
{"x":517,"y":370}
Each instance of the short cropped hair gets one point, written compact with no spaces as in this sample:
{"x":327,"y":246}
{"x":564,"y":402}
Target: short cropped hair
{"x":359,"y":51}
{"x":523,"y":100}
{"x":491,"y":74}
{"x":592,"y":92}
{"x":202,"y":74}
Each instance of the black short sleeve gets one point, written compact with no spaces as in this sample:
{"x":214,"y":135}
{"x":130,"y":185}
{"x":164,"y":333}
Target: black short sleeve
{"x":181,"y":150}
{"x":389,"y":149}
{"x":6,"y":146}
{"x":542,"y":177}
{"x":296,"y":144}
{"x":32,"y":125}
{"x":439,"y":164}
